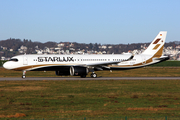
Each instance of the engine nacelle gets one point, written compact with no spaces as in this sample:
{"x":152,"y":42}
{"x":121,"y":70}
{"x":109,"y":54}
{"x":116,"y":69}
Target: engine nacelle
{"x":78,"y":71}
{"x":63,"y":71}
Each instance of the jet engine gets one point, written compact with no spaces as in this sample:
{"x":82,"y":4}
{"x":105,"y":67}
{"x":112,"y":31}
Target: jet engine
{"x":63,"y":71}
{"x":73,"y":70}
{"x":78,"y":71}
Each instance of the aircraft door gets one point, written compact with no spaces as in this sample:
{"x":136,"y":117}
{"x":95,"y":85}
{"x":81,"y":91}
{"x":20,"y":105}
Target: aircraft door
{"x":25,"y":60}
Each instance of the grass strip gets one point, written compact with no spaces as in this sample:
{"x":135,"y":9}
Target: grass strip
{"x":98,"y":99}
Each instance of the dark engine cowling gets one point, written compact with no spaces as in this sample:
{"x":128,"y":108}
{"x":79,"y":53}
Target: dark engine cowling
{"x":78,"y":71}
{"x":73,"y":70}
{"x":63,"y":71}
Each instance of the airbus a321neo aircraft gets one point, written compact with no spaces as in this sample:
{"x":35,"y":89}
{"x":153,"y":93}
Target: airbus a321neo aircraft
{"x":81,"y":65}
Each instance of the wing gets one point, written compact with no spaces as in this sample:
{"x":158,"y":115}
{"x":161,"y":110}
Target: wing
{"x":100,"y":66}
{"x":109,"y":62}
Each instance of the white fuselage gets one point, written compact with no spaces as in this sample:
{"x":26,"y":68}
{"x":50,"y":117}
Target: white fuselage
{"x":31,"y":62}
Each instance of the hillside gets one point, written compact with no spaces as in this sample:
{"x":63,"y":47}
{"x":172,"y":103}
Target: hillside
{"x":11,"y":47}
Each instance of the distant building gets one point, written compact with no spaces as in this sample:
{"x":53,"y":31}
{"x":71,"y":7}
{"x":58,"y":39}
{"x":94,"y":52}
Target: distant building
{"x":109,"y":47}
{"x":4,"y":48}
{"x":60,"y":45}
{"x":104,"y":47}
{"x":2,"y":58}
{"x":22,"y":49}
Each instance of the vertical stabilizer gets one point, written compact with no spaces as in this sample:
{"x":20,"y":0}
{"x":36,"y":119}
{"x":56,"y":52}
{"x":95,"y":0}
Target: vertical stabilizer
{"x":156,"y":47}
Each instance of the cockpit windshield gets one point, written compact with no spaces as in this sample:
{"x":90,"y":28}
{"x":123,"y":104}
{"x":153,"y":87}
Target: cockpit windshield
{"x":13,"y":59}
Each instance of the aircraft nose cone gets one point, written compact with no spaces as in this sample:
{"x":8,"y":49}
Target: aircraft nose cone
{"x":6,"y":65}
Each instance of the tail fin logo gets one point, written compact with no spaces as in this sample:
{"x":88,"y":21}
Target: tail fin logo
{"x":156,"y":46}
{"x":157,"y":40}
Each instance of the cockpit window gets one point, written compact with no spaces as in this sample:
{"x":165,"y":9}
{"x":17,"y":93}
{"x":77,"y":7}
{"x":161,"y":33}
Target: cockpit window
{"x":13,"y":59}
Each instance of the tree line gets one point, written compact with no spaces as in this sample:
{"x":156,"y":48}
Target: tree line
{"x":15,"y":44}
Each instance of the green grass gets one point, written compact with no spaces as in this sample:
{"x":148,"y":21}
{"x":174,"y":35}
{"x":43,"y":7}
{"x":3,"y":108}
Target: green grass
{"x":78,"y":99}
{"x":167,"y":64}
{"x":92,"y":99}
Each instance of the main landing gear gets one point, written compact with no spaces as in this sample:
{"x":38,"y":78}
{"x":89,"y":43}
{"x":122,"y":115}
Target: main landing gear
{"x":93,"y":75}
{"x":24,"y":74}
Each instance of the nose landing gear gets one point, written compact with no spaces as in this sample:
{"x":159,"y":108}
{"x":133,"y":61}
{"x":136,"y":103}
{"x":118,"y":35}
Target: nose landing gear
{"x":24,"y":74}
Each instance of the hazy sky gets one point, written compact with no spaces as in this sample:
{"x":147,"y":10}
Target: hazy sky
{"x":89,"y":21}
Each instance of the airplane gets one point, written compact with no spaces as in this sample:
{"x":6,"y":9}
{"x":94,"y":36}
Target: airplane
{"x":81,"y":65}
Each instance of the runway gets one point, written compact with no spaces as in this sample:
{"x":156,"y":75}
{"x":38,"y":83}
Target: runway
{"x":89,"y":78}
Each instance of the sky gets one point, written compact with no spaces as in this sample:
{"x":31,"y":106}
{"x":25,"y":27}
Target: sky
{"x":89,"y":21}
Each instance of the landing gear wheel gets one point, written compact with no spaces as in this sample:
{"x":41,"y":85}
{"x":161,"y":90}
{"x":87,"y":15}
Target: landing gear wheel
{"x":23,"y":76}
{"x":94,"y":75}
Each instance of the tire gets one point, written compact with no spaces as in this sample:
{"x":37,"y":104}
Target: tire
{"x":23,"y":76}
{"x":94,"y":75}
